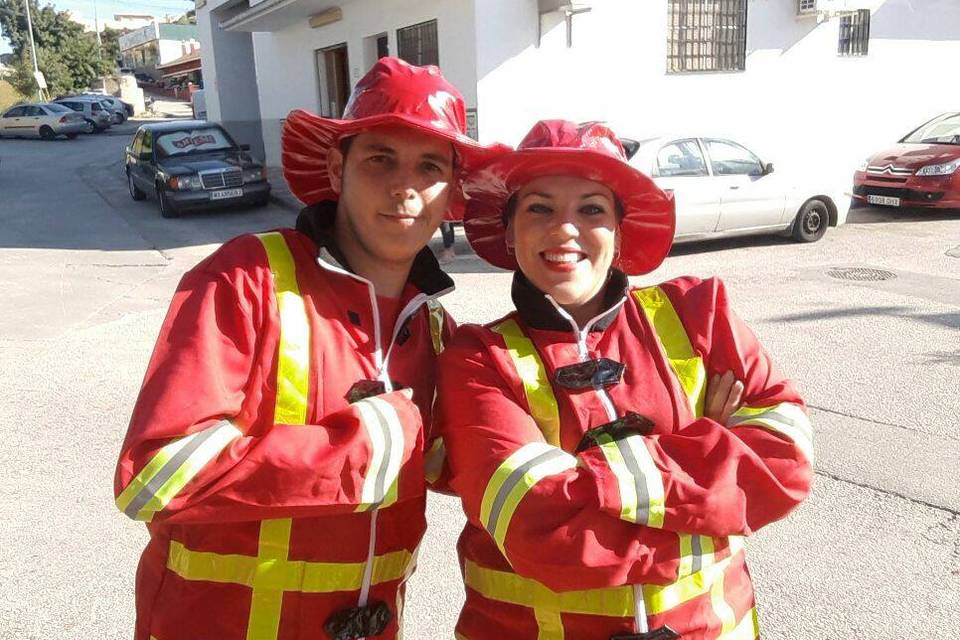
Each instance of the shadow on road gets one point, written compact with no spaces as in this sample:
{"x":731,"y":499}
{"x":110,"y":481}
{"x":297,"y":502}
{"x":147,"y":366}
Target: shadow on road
{"x":872,"y":215}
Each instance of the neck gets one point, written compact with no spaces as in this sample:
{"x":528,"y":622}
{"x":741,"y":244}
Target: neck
{"x":388,"y":277}
{"x":585,"y":312}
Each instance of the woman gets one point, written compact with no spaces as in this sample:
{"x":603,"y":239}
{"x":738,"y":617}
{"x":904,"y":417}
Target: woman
{"x":602,"y":502}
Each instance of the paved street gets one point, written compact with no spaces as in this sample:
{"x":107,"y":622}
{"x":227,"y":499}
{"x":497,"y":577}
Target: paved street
{"x":86,"y":274}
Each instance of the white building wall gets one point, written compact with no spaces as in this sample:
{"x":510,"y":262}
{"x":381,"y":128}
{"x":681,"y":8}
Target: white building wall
{"x":170,"y":50}
{"x":797,"y":102}
{"x":286,"y":67}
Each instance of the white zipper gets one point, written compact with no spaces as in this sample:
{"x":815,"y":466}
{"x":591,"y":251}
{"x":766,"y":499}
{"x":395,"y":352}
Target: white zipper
{"x":639,"y":607}
{"x":383,"y":375}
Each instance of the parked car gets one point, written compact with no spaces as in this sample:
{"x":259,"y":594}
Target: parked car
{"x":97,"y":117}
{"x":45,"y":120}
{"x":724,"y":189}
{"x":921,"y":171}
{"x":143,"y":78}
{"x":190,"y":164}
{"x":116,"y":112}
{"x":122,"y":110}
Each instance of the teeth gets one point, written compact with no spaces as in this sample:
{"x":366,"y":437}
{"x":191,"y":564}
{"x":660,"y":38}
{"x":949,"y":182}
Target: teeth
{"x":562,"y":257}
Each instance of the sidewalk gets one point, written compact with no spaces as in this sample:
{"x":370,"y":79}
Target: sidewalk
{"x":280,"y":192}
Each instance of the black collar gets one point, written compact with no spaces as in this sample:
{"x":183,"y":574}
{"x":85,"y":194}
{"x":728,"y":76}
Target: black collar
{"x":316,"y":222}
{"x":538,"y":312}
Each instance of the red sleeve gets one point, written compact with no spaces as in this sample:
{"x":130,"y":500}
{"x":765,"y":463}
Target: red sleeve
{"x":539,"y":506}
{"x":714,"y":479}
{"x":437,"y":470}
{"x":202,"y":445}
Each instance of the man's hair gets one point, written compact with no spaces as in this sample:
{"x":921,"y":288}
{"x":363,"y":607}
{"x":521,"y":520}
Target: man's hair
{"x":510,"y":208}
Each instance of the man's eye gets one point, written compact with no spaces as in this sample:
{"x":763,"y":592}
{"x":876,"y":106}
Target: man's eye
{"x":379,"y":159}
{"x":430,"y":167}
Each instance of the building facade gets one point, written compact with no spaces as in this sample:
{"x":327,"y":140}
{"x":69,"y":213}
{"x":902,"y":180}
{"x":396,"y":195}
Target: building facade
{"x":816,"y":83}
{"x":157,"y":44}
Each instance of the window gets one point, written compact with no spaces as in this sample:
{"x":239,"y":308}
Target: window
{"x":730,"y":159}
{"x":418,"y":44}
{"x":706,"y":35}
{"x":33,"y":111}
{"x":16,"y":112}
{"x":806,"y":6}
{"x":854,"y":33}
{"x":681,"y":158}
{"x":95,"y":106}
{"x":146,"y":145}
{"x":53,"y":107}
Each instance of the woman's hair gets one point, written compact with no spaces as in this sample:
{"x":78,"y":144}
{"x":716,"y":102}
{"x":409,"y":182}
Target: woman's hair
{"x":510,"y":208}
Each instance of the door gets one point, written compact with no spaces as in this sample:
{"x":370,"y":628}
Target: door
{"x":750,"y":198}
{"x":333,"y":79}
{"x":146,"y":170}
{"x":10,"y":120}
{"x":32,"y":120}
{"x":682,"y":168}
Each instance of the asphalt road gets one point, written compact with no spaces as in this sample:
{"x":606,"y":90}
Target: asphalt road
{"x":86,"y":274}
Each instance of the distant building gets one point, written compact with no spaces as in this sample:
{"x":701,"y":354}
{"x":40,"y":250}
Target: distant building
{"x":155,"y":45}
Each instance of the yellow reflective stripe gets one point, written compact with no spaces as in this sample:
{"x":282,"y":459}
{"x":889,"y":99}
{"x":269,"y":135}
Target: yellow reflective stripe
{"x":549,"y":624}
{"x":747,"y":629}
{"x":293,"y":358}
{"x":639,"y":480}
{"x":529,"y":366}
{"x":436,"y":325}
{"x":382,"y":426}
{"x":508,"y":587}
{"x":696,"y":552}
{"x":786,"y":418}
{"x":434,"y":460}
{"x":686,"y":364}
{"x":663,"y":598}
{"x":519,"y":473}
{"x":171,"y":468}
{"x":290,"y":575}
{"x":723,"y":610}
{"x":267,"y":599}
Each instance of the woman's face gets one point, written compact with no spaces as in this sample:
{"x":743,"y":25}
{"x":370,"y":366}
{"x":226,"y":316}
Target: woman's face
{"x":565,"y":234}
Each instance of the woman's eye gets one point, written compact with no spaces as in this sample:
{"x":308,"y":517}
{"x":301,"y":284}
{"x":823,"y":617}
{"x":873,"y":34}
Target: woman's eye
{"x":592,"y":209}
{"x":539,"y":208}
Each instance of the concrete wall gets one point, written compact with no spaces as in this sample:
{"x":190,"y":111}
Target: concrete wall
{"x":799,"y":103}
{"x":286,"y":67}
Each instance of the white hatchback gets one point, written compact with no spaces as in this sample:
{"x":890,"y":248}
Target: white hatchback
{"x":724,"y":189}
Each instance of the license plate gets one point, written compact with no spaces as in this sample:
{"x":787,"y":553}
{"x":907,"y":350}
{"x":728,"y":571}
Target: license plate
{"x":884,"y":200}
{"x":223,"y":194}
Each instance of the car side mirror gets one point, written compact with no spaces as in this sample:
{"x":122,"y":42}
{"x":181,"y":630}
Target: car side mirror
{"x":244,"y":147}
{"x":767,"y":168}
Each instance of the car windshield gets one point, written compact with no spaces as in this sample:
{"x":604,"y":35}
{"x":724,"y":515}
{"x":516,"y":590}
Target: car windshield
{"x":56,"y":108}
{"x":201,"y":140}
{"x":943,"y":130}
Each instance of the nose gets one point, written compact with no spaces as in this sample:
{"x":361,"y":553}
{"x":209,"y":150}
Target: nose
{"x":403,"y":185}
{"x":565,"y":226}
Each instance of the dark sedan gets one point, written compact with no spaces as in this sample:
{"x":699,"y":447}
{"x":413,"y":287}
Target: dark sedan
{"x":193,"y":165}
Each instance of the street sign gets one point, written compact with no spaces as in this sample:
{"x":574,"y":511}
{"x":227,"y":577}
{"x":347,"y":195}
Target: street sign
{"x":41,"y":81}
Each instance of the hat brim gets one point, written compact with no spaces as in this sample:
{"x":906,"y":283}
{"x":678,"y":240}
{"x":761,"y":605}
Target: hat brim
{"x":306,"y":138}
{"x":649,"y":218}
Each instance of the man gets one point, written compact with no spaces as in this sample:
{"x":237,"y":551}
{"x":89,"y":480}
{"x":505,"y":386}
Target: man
{"x":276,"y":448}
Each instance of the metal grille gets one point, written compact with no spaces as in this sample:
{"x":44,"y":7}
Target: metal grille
{"x":854,"y":33}
{"x":221,"y":179}
{"x":417,"y":44}
{"x":860,"y":274}
{"x":707,"y":35}
{"x":804,"y":6}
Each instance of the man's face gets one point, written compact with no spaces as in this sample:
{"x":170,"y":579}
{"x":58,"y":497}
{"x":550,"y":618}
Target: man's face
{"x":394,"y":187}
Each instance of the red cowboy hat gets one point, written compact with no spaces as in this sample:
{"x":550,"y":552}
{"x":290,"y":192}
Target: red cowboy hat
{"x":590,"y":151}
{"x":393,"y":92}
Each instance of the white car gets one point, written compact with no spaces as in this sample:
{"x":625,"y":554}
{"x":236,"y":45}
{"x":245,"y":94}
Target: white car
{"x":724,"y":189}
{"x":44,"y":120}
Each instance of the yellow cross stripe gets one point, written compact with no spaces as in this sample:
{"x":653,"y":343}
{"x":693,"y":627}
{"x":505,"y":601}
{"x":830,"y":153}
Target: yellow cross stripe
{"x":549,"y":624}
{"x":747,"y":629}
{"x":663,"y":598}
{"x":786,"y":418}
{"x":293,"y":359}
{"x":686,"y":364}
{"x":436,"y":325}
{"x":290,"y":575}
{"x":516,"y":459}
{"x":529,"y":366}
{"x":267,"y":599}
{"x":434,"y":460}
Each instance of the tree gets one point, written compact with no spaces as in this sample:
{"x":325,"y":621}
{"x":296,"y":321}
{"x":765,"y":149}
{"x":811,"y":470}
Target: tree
{"x":110,"y":39}
{"x":66,"y":54}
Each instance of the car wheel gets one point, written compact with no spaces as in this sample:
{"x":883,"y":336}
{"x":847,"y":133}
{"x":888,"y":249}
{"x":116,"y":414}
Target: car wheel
{"x":135,"y":193}
{"x":812,"y":221}
{"x":47,"y":133}
{"x":167,"y":210}
{"x":91,"y":127}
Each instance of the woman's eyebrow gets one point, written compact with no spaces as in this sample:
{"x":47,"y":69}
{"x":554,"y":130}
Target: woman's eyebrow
{"x":590,"y":195}
{"x":539,"y":194}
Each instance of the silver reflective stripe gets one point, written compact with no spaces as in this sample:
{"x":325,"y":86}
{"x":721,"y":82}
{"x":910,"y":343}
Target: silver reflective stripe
{"x":150,"y":490}
{"x":696,"y":548}
{"x":512,"y":480}
{"x":786,"y":418}
{"x":639,"y":480}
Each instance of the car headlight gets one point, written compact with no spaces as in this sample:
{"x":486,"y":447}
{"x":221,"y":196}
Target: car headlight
{"x":863,"y":165}
{"x":944,"y":169}
{"x":185,"y":183}
{"x":254,"y":175}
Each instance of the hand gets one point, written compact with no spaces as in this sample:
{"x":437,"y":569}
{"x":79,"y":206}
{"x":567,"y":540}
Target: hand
{"x":723,"y":397}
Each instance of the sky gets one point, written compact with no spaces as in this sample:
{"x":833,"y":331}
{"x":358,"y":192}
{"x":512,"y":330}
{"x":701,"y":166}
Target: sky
{"x":105,"y":9}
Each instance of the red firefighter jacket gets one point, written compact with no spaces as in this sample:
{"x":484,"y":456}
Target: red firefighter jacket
{"x":583,"y":522}
{"x":271,"y":499}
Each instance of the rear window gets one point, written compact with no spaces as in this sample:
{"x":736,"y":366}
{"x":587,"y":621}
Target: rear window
{"x":56,"y":108}
{"x":174,"y":143}
{"x":16,"y":112}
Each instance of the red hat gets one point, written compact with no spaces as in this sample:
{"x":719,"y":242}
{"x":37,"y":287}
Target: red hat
{"x":393,"y":92}
{"x":590,"y":151}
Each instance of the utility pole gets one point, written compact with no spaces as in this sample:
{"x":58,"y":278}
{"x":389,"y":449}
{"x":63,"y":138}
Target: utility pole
{"x":96,"y":25}
{"x":33,"y":49}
